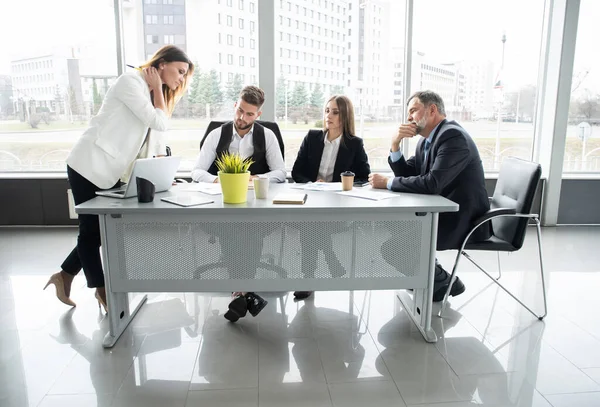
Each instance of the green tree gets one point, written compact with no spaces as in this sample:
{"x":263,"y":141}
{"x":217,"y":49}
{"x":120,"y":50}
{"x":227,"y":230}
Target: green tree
{"x":588,"y":105}
{"x":233,"y":88}
{"x":280,"y":95}
{"x":73,"y":101}
{"x":299,"y":95}
{"x":206,"y":89}
{"x":97,"y":97}
{"x":316,"y":99}
{"x":299,"y":103}
{"x":337,"y":90}
{"x":195,"y":85}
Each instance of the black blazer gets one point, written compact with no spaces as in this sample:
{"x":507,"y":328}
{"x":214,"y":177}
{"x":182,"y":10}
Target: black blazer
{"x":351,"y":157}
{"x":453,"y":169}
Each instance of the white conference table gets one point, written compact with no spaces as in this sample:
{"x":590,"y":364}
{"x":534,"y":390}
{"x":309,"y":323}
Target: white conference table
{"x":332,"y":242}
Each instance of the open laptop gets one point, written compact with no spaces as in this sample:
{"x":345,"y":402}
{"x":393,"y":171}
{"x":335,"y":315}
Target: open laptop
{"x":160,"y":171}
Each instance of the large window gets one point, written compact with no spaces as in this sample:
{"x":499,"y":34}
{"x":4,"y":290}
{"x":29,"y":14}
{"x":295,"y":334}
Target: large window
{"x":52,"y":80}
{"x":485,"y":68}
{"x":582,"y":151}
{"x":339,"y":49}
{"x":52,"y":84}
{"x":220,"y":52}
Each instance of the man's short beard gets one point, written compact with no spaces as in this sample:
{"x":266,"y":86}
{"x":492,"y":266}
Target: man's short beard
{"x":243,"y":127}
{"x":421,"y":125}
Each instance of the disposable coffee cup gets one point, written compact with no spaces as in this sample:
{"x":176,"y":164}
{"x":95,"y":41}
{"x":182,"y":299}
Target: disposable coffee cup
{"x":145,"y":190}
{"x":261,"y":187}
{"x":347,"y":180}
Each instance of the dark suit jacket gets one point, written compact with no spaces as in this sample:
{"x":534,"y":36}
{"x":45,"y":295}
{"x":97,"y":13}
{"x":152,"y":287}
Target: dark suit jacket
{"x":453,"y":169}
{"x":351,"y":157}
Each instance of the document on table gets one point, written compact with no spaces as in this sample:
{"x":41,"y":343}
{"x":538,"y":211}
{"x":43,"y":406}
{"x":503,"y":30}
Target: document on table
{"x":319,"y":186}
{"x":367,"y":193}
{"x":204,"y":187}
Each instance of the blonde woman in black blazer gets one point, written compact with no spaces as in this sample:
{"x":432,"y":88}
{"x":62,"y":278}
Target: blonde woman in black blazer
{"x":323,"y":156}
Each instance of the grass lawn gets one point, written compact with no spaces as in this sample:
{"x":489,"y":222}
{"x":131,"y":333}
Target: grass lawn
{"x":50,"y":155}
{"x":13,"y":126}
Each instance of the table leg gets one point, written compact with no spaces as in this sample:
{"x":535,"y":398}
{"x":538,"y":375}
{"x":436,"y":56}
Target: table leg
{"x":419,"y":309}
{"x":119,"y":315}
{"x":120,"y":312}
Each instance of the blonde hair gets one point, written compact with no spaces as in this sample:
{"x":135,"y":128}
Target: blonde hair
{"x":170,"y":53}
{"x":346,"y":109}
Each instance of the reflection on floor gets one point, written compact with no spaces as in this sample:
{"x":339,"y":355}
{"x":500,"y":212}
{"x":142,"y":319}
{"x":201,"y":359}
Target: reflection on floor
{"x":336,"y":349}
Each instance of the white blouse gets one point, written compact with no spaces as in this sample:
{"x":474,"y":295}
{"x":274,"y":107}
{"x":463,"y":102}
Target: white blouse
{"x":330,"y":152}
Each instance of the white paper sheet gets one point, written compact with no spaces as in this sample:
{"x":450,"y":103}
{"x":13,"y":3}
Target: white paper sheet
{"x":319,"y":186}
{"x":367,"y":193}
{"x":204,"y":187}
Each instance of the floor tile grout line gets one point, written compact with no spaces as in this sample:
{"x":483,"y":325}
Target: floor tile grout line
{"x":324,"y":374}
{"x":383,"y":359}
{"x":584,"y":372}
{"x":572,"y":364}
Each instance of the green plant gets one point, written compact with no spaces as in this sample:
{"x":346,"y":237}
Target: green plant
{"x":233,"y":163}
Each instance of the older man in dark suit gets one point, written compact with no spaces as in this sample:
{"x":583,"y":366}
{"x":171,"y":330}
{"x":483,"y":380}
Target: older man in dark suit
{"x":446,"y":163}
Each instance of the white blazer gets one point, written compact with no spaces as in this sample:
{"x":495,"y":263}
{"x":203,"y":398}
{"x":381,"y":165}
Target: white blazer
{"x":114,"y":136}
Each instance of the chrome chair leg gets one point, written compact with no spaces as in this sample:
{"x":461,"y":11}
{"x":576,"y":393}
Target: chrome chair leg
{"x":499,"y":266}
{"x":452,"y":279}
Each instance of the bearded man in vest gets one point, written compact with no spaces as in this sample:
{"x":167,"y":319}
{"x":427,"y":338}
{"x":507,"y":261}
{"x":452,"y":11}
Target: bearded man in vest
{"x":245,"y":137}
{"x":251,"y":140}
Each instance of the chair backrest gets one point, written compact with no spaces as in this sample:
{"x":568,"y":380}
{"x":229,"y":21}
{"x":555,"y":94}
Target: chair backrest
{"x":515,"y":189}
{"x":269,"y":125}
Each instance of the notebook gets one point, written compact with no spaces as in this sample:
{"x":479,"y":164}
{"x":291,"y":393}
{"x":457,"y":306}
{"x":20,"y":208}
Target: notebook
{"x":290,"y":198}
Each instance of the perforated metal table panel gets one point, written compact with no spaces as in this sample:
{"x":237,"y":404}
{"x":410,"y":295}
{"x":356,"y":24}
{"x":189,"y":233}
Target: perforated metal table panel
{"x":332,"y":242}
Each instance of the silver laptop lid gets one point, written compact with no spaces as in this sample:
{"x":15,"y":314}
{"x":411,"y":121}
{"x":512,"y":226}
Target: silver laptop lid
{"x":160,"y":171}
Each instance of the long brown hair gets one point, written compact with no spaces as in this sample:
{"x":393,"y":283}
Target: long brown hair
{"x":170,"y":53}
{"x":346,"y":109}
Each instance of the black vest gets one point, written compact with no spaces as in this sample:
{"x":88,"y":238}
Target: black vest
{"x":259,"y":157}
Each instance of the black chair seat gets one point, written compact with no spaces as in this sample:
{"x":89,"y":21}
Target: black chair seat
{"x":492,"y":244}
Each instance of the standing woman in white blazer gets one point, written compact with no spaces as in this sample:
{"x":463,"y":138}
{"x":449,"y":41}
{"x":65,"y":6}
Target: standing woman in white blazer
{"x":136,"y":103}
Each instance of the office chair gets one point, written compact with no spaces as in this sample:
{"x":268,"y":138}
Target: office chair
{"x":510,"y":212}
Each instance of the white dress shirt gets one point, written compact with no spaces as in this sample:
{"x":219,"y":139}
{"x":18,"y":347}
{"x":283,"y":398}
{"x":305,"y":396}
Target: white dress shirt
{"x":245,"y":147}
{"x":330,"y":152}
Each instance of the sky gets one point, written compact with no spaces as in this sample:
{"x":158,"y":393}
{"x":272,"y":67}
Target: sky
{"x":475,"y":30}
{"x":30,"y":28}
{"x":33,"y":27}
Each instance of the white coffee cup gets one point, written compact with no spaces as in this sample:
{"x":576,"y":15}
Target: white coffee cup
{"x":261,"y":187}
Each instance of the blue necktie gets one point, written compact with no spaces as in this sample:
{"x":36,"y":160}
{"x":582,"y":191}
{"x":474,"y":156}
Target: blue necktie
{"x":426,"y":150}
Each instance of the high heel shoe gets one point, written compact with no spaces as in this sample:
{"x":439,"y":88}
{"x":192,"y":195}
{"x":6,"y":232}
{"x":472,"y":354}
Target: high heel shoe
{"x":101,"y":302}
{"x":59,"y":283}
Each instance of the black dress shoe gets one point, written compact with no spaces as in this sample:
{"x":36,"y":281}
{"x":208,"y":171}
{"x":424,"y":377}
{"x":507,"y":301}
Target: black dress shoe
{"x":302,"y":295}
{"x":442,"y":281}
{"x":255,"y":303}
{"x":237,"y":308}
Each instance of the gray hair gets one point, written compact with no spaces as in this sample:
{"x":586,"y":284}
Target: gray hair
{"x":428,"y":98}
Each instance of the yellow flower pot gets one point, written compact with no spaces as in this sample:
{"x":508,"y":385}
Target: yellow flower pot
{"x":234,"y":187}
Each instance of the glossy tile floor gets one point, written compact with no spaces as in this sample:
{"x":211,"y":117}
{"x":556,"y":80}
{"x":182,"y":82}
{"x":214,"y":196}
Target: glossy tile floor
{"x":336,"y":349}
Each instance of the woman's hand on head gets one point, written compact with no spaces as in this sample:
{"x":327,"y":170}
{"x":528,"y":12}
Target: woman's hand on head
{"x":152,"y":78}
